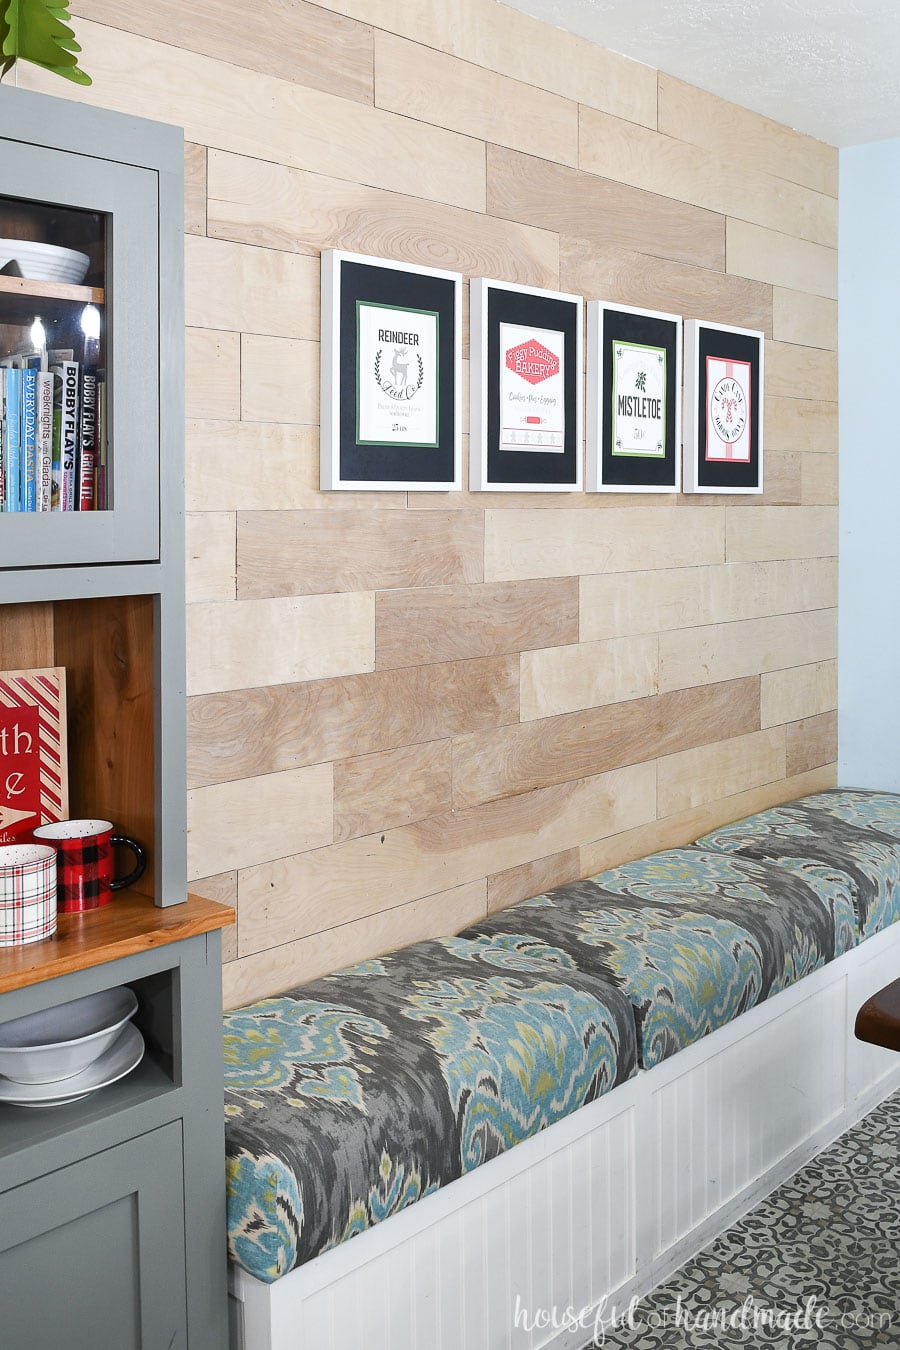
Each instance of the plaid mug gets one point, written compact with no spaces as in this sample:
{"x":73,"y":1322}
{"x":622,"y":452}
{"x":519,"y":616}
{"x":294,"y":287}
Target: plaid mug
{"x":84,"y":862}
{"x":27,"y":894}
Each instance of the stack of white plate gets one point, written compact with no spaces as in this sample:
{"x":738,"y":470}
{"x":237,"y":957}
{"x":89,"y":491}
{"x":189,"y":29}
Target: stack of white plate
{"x":60,"y":1054}
{"x":44,"y":262}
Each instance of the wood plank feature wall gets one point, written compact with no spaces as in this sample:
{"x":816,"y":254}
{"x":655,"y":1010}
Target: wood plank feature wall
{"x":408,"y":710}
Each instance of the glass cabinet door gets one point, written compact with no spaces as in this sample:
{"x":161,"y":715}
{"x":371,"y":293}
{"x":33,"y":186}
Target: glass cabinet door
{"x":79,"y":359}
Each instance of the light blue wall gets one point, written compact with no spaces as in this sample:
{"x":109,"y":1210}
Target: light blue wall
{"x":869,"y":353}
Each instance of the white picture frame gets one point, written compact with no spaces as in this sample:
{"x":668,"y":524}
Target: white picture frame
{"x":719,"y":356}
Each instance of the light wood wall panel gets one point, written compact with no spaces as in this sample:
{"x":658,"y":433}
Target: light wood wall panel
{"x":311,"y":552}
{"x":407,"y":709}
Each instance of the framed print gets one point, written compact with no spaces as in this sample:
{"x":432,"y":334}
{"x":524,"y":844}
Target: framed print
{"x":34,"y":787}
{"x":526,"y":359}
{"x":723,"y":432}
{"x":633,"y":399}
{"x":391,"y":353}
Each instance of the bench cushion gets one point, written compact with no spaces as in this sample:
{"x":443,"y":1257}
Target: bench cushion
{"x":844,"y":843}
{"x":692,"y":936}
{"x":350,"y":1098}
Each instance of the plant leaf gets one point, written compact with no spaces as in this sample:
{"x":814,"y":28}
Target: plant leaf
{"x":38,"y":31}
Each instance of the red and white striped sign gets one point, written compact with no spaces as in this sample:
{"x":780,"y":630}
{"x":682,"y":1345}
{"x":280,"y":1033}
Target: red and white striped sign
{"x":33,"y":761}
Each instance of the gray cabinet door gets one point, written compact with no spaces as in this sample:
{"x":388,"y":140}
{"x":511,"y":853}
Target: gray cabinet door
{"x":93,"y":1255}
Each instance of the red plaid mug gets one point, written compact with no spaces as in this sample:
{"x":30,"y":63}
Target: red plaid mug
{"x":84,"y":862}
{"x":27,"y":894}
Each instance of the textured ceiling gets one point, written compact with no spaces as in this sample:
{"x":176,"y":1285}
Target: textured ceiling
{"x":830,"y":68}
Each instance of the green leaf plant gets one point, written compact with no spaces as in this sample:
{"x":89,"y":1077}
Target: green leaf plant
{"x":38,"y":31}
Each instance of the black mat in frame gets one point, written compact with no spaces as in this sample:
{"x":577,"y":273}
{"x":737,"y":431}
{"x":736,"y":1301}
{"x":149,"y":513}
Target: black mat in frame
{"x":639,"y":470}
{"x":727,"y":347}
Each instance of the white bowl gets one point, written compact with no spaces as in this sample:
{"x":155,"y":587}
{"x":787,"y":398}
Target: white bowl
{"x":57,"y":1043}
{"x":44,"y":262}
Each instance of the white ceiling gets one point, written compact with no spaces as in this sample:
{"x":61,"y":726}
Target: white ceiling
{"x":830,"y":68}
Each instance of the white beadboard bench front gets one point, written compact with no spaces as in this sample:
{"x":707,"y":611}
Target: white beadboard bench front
{"x":604,"y":1204}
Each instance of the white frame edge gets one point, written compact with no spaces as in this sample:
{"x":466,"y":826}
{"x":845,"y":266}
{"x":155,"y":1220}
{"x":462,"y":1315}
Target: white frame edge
{"x":691,"y":438}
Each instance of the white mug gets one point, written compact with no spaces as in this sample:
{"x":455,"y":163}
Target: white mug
{"x":27,"y":893}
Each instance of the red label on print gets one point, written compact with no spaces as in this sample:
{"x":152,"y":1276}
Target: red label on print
{"x":533,"y":361}
{"x":20,"y":773}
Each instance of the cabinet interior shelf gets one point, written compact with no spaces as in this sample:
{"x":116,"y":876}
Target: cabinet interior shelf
{"x":50,"y":290}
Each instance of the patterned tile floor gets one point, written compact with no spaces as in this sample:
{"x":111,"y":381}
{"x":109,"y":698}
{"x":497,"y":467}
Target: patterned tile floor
{"x":816,"y":1264}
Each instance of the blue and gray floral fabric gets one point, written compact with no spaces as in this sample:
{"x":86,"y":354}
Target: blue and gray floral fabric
{"x":351,"y":1098}
{"x":844,"y":843}
{"x":693,"y":938}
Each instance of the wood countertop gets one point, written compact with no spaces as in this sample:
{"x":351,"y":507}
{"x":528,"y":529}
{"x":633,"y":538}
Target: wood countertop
{"x":129,"y":924}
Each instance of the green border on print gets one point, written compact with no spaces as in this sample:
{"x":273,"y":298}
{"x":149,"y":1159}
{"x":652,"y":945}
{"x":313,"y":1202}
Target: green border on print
{"x":404,"y":309}
{"x":639,"y":454}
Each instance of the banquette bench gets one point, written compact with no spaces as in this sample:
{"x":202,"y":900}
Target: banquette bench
{"x":351,"y":1098}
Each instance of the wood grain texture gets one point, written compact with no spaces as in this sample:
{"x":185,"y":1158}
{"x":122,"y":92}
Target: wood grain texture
{"x":616,"y":272}
{"x":263,"y":466}
{"x":688,"y":597}
{"x":517,"y":759}
{"x":553,"y":543}
{"x":293,"y":39}
{"x":293,"y":897}
{"x":223,"y":890}
{"x":681,"y":171}
{"x":589,"y":675}
{"x":258,"y":202}
{"x":793,"y":371}
{"x":453,"y":623}
{"x":232,"y":825}
{"x":532,"y":878}
{"x":730,"y":651}
{"x":133,"y":924}
{"x":251,"y":290}
{"x":553,"y":196}
{"x":687,"y":826}
{"x":209,"y":555}
{"x":778,"y":532}
{"x":255,"y":731}
{"x":194,"y":188}
{"x":819,"y":479}
{"x":227,"y":107}
{"x":313,"y":552}
{"x":432,"y":87}
{"x":279,"y":380}
{"x":765,"y":146}
{"x":249,"y":643}
{"x":799,"y":693}
{"x":810,"y":320}
{"x":765,"y":255}
{"x":395,"y":787}
{"x":812,"y":742}
{"x":26,"y":637}
{"x":273,"y":970}
{"x":801,"y":424}
{"x":212,"y":373}
{"x":710,"y":772}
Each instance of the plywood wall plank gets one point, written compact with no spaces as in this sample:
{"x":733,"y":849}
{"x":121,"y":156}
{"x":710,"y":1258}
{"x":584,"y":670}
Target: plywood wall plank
{"x":263,"y":466}
{"x":589,"y":675}
{"x":311,"y":552}
{"x":553,"y":543}
{"x":812,"y":742}
{"x":532,"y":878}
{"x":227,"y":107}
{"x":258,"y":202}
{"x":801,"y":424}
{"x":776,"y":532}
{"x":212,"y":374}
{"x":711,"y":772}
{"x":250,"y":643}
{"x":681,"y":171}
{"x":209,"y":555}
{"x":221,"y":888}
{"x":810,"y":320}
{"x":254,"y":731}
{"x":251,"y":290}
{"x":766,"y":255}
{"x":799,"y":372}
{"x":533,"y":755}
{"x":452,"y":623}
{"x":279,"y":380}
{"x":730,"y":651}
{"x":300,"y":42}
{"x":274,"y":970}
{"x":552,"y":196}
{"x":626,"y":275}
{"x":819,"y":479}
{"x":799,"y":693}
{"x":251,"y":821}
{"x":687,"y":597}
{"x":431,"y":87}
{"x":683,"y":828}
{"x":288,"y":899}
{"x":194,"y":188}
{"x":395,"y":787}
{"x":702,"y":118}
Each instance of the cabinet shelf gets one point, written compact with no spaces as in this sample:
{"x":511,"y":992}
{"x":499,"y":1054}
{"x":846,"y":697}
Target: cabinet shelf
{"x":50,"y":290}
